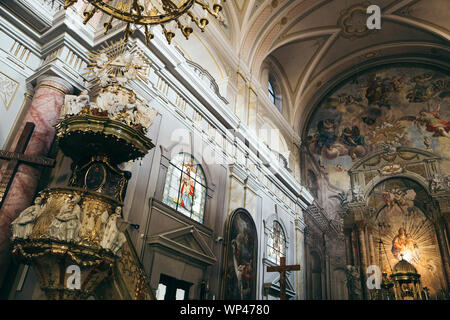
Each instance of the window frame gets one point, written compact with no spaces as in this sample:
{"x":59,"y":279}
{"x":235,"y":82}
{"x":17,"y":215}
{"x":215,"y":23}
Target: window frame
{"x":274,"y":91}
{"x":269,"y":247}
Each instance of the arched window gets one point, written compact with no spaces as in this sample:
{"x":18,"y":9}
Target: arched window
{"x":271,"y":92}
{"x":276,"y":243}
{"x":274,"y":91}
{"x":185,"y":187}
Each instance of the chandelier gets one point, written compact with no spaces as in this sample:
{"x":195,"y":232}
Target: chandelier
{"x":170,"y":14}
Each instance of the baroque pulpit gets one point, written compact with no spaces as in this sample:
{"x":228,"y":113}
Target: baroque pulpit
{"x":75,"y":236}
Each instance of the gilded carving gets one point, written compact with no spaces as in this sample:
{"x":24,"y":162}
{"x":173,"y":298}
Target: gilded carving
{"x":66,"y":224}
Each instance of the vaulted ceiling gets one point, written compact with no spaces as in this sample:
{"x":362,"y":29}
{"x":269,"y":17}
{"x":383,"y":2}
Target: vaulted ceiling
{"x":310,"y":42}
{"x":313,"y":44}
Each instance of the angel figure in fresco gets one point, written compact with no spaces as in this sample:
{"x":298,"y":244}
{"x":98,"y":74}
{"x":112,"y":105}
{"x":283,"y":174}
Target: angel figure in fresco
{"x":355,"y":141}
{"x":326,"y":129}
{"x":433,"y":122}
{"x":325,"y":141}
{"x":378,"y":89}
{"x":187,"y":188}
{"x":423,"y":89}
{"x":398,"y":202}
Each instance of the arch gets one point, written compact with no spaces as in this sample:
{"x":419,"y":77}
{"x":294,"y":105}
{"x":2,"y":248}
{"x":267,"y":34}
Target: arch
{"x":174,"y":148}
{"x":272,"y":66}
{"x":337,"y":74}
{"x":315,"y":276}
{"x":406,"y":175}
{"x":240,"y":257}
{"x":274,"y":91}
{"x":280,"y":220}
{"x":406,"y":230}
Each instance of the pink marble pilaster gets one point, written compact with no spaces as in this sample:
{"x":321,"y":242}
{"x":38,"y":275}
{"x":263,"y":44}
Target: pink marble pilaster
{"x":43,"y":111}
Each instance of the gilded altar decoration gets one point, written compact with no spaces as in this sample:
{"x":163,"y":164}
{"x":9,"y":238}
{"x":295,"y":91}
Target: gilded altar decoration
{"x":407,"y":232}
{"x":406,"y":281}
{"x":148,"y":13}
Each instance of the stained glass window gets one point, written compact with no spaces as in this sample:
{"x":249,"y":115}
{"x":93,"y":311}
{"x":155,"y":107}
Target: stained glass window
{"x":185,"y":187}
{"x":276,"y":243}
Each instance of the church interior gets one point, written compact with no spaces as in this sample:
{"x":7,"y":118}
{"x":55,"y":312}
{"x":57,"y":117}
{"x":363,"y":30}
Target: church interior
{"x":224,"y":150}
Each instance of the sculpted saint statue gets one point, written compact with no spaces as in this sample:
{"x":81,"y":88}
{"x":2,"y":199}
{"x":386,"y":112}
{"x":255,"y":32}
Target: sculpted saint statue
{"x":66,"y":224}
{"x":353,"y":282}
{"x":114,"y":238}
{"x":144,"y":114}
{"x":23,"y":225}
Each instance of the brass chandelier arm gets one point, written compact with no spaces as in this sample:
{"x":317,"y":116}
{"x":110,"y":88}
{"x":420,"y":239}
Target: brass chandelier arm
{"x":169,"y":34}
{"x":134,"y":14}
{"x":186,"y":30}
{"x":201,"y":24}
{"x":215,"y":10}
{"x":142,"y":18}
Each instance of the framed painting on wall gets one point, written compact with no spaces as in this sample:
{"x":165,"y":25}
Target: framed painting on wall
{"x":241,"y":257}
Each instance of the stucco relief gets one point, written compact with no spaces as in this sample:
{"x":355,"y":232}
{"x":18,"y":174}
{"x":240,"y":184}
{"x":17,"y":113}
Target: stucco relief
{"x":8,"y":89}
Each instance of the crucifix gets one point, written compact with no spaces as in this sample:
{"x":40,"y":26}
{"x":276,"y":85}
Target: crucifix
{"x":282,"y":268}
{"x":17,"y":157}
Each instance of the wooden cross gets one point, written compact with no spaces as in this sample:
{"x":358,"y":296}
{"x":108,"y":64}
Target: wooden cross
{"x":282,"y":268}
{"x":16,"y":157}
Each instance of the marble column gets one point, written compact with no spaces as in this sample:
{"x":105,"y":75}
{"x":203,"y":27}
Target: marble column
{"x":44,"y":112}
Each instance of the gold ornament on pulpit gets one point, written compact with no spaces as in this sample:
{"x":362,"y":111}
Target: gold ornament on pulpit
{"x":148,"y":13}
{"x":406,"y":281}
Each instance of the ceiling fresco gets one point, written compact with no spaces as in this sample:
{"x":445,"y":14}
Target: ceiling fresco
{"x":383,"y":108}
